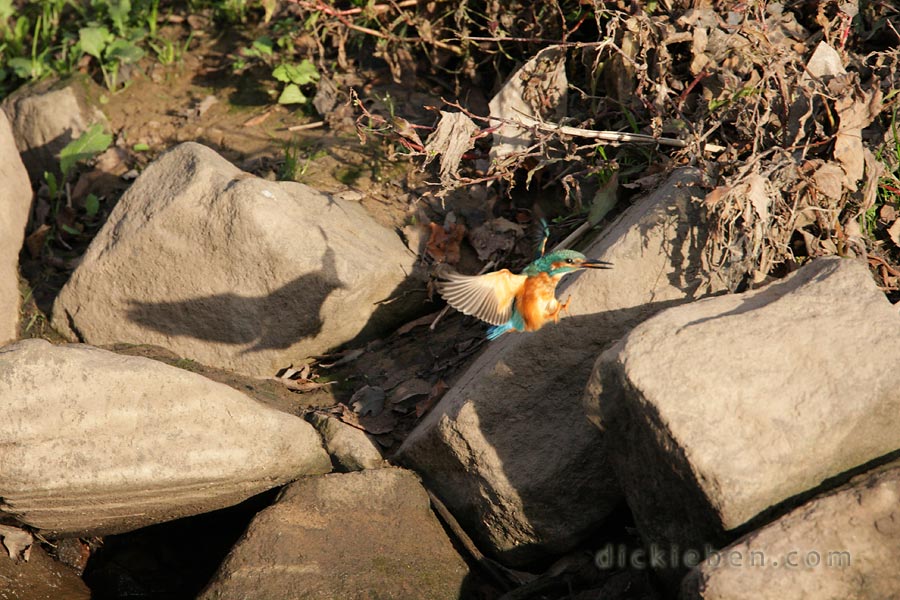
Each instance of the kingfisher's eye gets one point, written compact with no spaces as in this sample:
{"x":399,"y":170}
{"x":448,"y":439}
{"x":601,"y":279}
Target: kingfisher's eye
{"x":570,"y":261}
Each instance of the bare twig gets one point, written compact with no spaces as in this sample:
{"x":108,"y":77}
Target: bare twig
{"x":375,"y":8}
{"x":313,"y":125}
{"x":574,"y":236}
{"x":528,"y":122}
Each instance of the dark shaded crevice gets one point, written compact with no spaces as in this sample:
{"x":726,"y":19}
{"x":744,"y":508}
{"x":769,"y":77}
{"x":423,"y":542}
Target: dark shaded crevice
{"x":74,"y":328}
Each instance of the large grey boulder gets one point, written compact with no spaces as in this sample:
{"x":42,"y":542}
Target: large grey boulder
{"x":508,"y":449}
{"x":46,"y":116}
{"x":842,"y":545}
{"x":720,"y":409}
{"x":361,"y":535}
{"x":231,"y":270}
{"x":15,"y":203}
{"x":93,"y":442}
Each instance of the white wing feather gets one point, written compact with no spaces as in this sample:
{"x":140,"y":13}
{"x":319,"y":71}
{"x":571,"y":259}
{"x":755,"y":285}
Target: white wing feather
{"x":488,"y":297}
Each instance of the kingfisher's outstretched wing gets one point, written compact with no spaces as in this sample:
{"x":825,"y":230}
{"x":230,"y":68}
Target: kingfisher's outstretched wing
{"x":489,"y":297}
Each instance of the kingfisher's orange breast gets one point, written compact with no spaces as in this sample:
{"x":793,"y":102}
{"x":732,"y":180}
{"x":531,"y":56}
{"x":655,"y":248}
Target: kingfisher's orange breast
{"x":536,"y":301}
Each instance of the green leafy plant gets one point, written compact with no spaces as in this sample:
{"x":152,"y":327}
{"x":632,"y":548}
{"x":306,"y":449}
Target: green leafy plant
{"x":47,"y":37}
{"x":89,"y":144}
{"x":33,"y":67}
{"x":294,"y":76}
{"x":83,"y":148}
{"x":91,"y":205}
{"x":110,"y":51}
{"x":86,"y":146}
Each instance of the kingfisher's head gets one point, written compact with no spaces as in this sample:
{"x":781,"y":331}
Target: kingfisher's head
{"x":561,"y":262}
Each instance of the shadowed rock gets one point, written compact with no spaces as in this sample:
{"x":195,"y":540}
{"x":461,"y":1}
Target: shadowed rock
{"x":845,"y":544}
{"x":368,"y":534}
{"x":262,"y":317}
{"x":722,"y":411}
{"x":231,"y":270}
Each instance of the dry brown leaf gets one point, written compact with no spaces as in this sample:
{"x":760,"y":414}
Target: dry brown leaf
{"x":856,"y":110}
{"x":714,"y":197}
{"x":452,"y":138}
{"x":368,"y":400}
{"x":426,"y":320}
{"x":824,"y":62}
{"x":113,"y":161}
{"x":345,"y":357}
{"x":605,"y":199}
{"x":443,"y":243}
{"x":304,"y":385}
{"x":17,"y":542}
{"x":299,"y":380}
{"x":85,"y":182}
{"x":406,"y":130}
{"x":894,"y":232}
{"x":699,"y":41}
{"x":874,"y":171}
{"x":326,"y":97}
{"x":495,"y":237}
{"x":410,"y":389}
{"x":537,"y":90}
{"x":437,"y":392}
{"x":384,"y":422}
{"x":829,"y":180}
{"x":258,"y":119}
{"x":35,"y":241}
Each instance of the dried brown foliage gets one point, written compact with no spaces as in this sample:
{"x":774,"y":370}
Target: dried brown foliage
{"x":802,"y":101}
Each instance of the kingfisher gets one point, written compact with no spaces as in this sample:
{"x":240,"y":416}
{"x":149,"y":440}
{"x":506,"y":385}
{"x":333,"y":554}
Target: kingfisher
{"x":511,"y":302}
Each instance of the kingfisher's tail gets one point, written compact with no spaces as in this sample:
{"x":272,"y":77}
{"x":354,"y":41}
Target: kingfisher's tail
{"x":497,"y":330}
{"x":515,"y":323}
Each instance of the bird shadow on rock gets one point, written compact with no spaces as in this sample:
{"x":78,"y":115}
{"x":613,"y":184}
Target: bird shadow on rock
{"x":271,"y":321}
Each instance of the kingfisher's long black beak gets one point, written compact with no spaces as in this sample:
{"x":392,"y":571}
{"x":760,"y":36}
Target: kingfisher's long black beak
{"x":596,"y":264}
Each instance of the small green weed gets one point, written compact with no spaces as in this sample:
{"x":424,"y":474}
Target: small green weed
{"x":169,"y":52}
{"x":294,"y":76}
{"x":297,"y":160}
{"x":86,"y":146}
{"x":111,"y":52}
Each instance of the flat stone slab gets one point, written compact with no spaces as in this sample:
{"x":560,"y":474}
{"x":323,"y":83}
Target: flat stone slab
{"x":234,"y":271}
{"x":718,"y":410}
{"x":360,"y":535}
{"x":93,"y":442}
{"x":845,"y":544}
{"x":508,"y":449}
